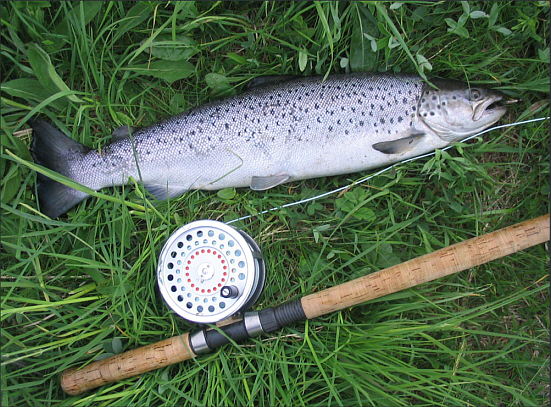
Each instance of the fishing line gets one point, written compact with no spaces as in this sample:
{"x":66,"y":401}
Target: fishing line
{"x":367,"y":178}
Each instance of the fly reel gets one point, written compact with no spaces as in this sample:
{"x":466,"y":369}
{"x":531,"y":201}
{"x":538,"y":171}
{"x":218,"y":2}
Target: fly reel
{"x":209,"y":271}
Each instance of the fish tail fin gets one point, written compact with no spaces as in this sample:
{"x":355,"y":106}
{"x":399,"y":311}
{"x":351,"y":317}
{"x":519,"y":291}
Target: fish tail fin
{"x":52,"y":149}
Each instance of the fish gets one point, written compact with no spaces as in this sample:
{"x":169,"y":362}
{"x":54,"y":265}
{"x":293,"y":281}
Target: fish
{"x":273,"y":133}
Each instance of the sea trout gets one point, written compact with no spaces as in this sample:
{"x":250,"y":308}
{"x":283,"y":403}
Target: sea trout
{"x":279,"y":132}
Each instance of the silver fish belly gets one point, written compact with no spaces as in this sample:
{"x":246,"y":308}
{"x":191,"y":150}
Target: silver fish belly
{"x":296,"y":129}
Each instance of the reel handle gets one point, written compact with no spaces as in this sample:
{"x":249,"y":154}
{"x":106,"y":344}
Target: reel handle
{"x":132,"y":363}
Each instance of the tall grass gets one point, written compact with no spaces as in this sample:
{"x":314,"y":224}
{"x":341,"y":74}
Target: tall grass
{"x":83,"y":286}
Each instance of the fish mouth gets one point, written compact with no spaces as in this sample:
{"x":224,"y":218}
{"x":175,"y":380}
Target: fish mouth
{"x":496,"y":105}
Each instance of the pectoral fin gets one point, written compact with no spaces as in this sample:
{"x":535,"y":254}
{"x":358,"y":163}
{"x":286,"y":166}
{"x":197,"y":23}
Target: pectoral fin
{"x":263,"y":183}
{"x":399,"y":146}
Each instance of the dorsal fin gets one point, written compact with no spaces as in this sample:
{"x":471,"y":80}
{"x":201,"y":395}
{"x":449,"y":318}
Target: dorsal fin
{"x":267,"y":80}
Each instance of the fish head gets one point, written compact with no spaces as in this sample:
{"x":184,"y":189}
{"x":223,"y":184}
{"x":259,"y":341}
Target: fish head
{"x":455,"y":110}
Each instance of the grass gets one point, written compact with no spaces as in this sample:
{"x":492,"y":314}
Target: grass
{"x":83,"y":285}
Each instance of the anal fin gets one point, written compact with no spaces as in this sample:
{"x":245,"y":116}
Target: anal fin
{"x":264,"y":183}
{"x":164,"y":192}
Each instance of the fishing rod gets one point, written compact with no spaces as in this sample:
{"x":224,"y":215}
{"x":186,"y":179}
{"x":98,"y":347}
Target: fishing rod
{"x":204,"y":275}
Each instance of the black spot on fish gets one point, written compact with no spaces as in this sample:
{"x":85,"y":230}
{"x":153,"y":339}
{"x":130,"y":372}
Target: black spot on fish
{"x":432,"y":113}
{"x":424,"y":114}
{"x":227,"y":126}
{"x":361,"y":123}
{"x":330,"y":128}
{"x":346,"y":132}
{"x":181,"y":139}
{"x":339,"y":122}
{"x":316,"y":106}
{"x":413,"y":108}
{"x":382,"y":120}
{"x":427,"y":92}
{"x":438,"y":106}
{"x":443,"y":103}
{"x":173,"y":131}
{"x":454,"y":97}
{"x":318,"y":119}
{"x":423,"y":100}
{"x":400,"y":119}
{"x":177,"y":121}
{"x":392,"y":120}
{"x":434,"y":98}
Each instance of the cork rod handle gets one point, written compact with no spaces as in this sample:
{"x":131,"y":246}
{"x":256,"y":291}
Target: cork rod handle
{"x":132,"y":363}
{"x":443,"y":262}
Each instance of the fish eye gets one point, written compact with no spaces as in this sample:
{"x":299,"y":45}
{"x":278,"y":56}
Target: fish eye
{"x":475,"y":94}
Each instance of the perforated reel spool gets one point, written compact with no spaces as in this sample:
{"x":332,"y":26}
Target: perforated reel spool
{"x":209,"y":271}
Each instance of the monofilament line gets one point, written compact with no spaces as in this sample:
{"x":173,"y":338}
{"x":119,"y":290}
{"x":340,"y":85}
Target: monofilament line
{"x":367,"y":178}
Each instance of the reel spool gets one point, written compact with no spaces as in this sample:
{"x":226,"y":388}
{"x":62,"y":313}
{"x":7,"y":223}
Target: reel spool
{"x":209,"y":271}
